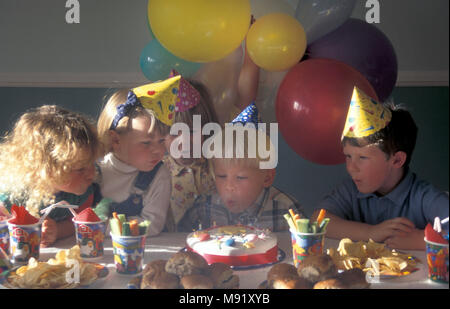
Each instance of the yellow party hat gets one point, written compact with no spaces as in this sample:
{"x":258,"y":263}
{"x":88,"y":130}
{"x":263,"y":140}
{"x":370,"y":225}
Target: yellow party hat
{"x":365,"y":116}
{"x":164,"y":98}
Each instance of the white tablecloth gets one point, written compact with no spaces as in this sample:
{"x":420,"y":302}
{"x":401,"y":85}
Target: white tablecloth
{"x":165,"y":245}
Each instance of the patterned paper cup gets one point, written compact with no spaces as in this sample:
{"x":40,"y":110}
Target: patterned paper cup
{"x":4,"y":236}
{"x":90,"y":238}
{"x":128,"y":253}
{"x":437,"y":260}
{"x":306,"y":244}
{"x":24,"y":242}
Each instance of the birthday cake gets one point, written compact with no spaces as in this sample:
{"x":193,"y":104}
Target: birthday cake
{"x":234,"y":245}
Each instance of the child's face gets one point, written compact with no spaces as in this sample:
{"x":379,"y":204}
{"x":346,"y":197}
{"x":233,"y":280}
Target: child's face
{"x":369,"y":168}
{"x":189,"y":157}
{"x":238,"y":186}
{"x":80,"y":178}
{"x":137,"y":147}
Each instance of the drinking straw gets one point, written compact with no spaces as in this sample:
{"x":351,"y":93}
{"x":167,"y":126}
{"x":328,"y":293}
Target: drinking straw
{"x":46,"y":211}
{"x":444,"y":221}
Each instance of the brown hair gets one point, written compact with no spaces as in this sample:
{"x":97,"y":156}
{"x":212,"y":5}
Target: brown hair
{"x":399,"y":135}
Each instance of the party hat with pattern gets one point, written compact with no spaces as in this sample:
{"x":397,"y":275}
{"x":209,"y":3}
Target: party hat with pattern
{"x":365,"y":116}
{"x":248,"y":115}
{"x":164,"y":98}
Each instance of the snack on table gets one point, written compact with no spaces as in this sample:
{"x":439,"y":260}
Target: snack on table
{"x":371,"y":256}
{"x":284,"y":276}
{"x":350,"y":279}
{"x":186,"y":263}
{"x":222,"y":276}
{"x":234,"y":245}
{"x":196,"y":281}
{"x":54,"y":273}
{"x":315,"y":268}
{"x":155,"y":277}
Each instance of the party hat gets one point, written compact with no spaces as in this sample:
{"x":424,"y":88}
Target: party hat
{"x":163,"y":98}
{"x":248,"y":115}
{"x":365,"y":116}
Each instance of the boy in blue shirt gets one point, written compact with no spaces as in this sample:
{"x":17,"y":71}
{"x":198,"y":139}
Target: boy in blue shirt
{"x":383,"y":200}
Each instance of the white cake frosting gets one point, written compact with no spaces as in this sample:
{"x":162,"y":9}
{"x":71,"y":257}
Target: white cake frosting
{"x":232,"y":240}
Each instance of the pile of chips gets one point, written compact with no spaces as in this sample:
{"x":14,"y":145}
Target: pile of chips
{"x":54,"y":274}
{"x":373,"y":257}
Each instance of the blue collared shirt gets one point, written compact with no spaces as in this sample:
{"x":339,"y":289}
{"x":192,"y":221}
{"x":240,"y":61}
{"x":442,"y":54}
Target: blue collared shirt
{"x":412,"y":198}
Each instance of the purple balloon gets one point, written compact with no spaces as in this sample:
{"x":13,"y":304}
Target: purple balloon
{"x":364,"y":47}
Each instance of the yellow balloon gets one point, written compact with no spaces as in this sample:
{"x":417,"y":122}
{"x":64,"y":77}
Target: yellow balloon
{"x":276,"y":42}
{"x":199,"y":30}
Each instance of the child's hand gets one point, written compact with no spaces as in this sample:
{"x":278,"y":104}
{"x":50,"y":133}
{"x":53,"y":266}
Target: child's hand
{"x":410,"y":241}
{"x":393,"y":227}
{"x":49,"y":232}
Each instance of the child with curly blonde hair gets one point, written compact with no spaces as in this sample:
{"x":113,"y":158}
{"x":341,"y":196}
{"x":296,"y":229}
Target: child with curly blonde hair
{"x":49,"y":157}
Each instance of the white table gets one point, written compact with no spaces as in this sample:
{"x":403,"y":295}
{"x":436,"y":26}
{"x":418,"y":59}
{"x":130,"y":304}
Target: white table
{"x":165,"y":245}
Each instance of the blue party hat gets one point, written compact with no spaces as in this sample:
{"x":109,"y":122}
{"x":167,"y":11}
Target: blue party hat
{"x":248,"y":115}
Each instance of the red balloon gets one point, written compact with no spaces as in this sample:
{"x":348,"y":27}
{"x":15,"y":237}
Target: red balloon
{"x":312,"y":104}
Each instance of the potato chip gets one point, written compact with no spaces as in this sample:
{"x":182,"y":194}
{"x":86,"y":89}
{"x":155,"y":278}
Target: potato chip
{"x":52,"y":274}
{"x":371,"y":256}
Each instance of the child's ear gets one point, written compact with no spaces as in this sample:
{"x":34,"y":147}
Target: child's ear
{"x":399,"y":159}
{"x":269,"y":177}
{"x":115,"y":139}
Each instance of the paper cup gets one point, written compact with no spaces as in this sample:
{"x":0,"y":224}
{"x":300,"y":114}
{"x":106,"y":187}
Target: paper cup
{"x":128,"y":253}
{"x":4,"y":261}
{"x":4,"y":236}
{"x":90,"y":238}
{"x":306,"y":244}
{"x":24,"y":242}
{"x":437,"y":260}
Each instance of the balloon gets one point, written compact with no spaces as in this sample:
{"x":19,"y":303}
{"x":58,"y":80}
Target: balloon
{"x":276,"y":42}
{"x":320,"y":17}
{"x":264,"y":7}
{"x":221,"y":78}
{"x":268,"y":85}
{"x":156,"y":62}
{"x":199,"y":30}
{"x":364,"y":47}
{"x":312,"y":104}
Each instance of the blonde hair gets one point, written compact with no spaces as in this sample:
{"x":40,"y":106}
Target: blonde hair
{"x":40,"y":151}
{"x":109,"y":112}
{"x":242,"y":154}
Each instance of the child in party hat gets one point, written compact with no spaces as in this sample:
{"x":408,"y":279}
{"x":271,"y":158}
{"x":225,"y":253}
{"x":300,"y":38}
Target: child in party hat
{"x":191,"y":176}
{"x":383,"y":200}
{"x":49,"y":157}
{"x":133,"y":126}
{"x":245,"y":194}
